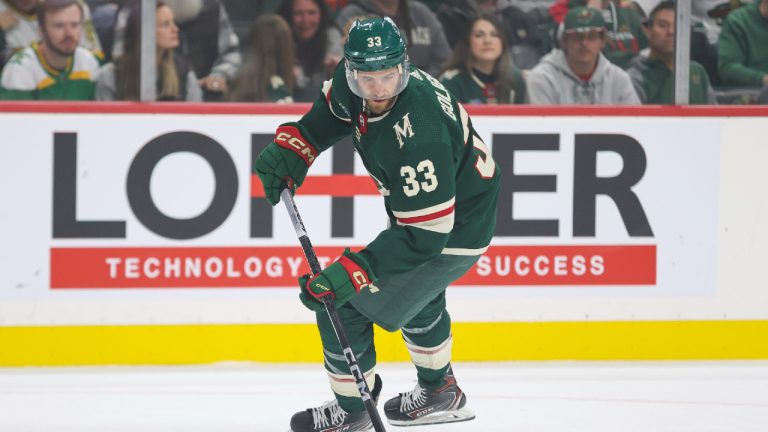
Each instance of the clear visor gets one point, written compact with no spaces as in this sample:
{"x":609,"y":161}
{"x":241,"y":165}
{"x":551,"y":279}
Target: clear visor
{"x":378,"y":85}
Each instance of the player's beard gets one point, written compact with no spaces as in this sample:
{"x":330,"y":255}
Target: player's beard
{"x":380,"y":106}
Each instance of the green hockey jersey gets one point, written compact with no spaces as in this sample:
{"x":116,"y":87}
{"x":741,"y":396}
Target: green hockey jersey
{"x":28,"y":76}
{"x":438,"y":179}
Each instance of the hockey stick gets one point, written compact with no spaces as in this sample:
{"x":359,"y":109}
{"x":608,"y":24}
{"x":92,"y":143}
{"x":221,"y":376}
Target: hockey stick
{"x":330,"y":307}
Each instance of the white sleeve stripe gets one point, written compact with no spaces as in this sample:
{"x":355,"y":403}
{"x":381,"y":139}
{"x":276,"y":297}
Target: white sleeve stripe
{"x":327,"y":92}
{"x":425,"y":211}
{"x":464,"y":252}
{"x":442,"y":225}
{"x":464,"y":122}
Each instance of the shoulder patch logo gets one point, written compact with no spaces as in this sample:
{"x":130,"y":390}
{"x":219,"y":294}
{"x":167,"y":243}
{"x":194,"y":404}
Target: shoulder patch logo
{"x":404,"y":131}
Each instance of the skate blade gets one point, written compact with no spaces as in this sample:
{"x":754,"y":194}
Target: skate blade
{"x":464,"y":414}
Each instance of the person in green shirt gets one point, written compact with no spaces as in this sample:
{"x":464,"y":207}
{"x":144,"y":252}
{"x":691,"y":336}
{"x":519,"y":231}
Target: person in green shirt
{"x":440,"y":187}
{"x":481,"y":70}
{"x":743,"y":46}
{"x":56,"y":68}
{"x":653,"y":75}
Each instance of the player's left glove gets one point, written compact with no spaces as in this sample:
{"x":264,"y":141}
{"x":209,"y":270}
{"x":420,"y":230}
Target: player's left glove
{"x":341,"y":280}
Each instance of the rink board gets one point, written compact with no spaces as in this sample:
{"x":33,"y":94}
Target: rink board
{"x":135,"y":234}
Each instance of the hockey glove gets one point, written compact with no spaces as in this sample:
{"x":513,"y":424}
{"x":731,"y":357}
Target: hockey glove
{"x":284,"y":162}
{"x":341,"y":280}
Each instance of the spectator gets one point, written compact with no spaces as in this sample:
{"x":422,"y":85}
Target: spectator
{"x":579,"y":73}
{"x":19,"y":28}
{"x":175,"y":80}
{"x":267,"y":73}
{"x":625,"y":36}
{"x":428,"y":48}
{"x":653,"y":74}
{"x":523,"y":30}
{"x":56,"y":68}
{"x":214,"y":58}
{"x":317,"y":45}
{"x":712,"y":13}
{"x":481,"y":71}
{"x":742,"y":61}
{"x":705,"y":29}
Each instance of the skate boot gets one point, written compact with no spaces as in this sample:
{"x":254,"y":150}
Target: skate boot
{"x":426,"y":405}
{"x":330,"y":417}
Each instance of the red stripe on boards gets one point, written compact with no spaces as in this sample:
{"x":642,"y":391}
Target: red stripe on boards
{"x":337,"y":185}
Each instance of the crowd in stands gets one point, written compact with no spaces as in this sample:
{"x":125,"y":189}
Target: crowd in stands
{"x":617,"y":52}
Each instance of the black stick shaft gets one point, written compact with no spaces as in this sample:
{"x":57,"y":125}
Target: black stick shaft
{"x":330,"y":307}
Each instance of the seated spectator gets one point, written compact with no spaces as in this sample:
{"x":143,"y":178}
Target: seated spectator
{"x":56,"y":68}
{"x":743,"y":47}
{"x":317,"y":45}
{"x":705,"y":29}
{"x":522,"y":30}
{"x":206,"y":39}
{"x":214,"y":59}
{"x":625,"y":36}
{"x":481,"y":71}
{"x":653,"y":74}
{"x":579,"y":73}
{"x":267,"y":71}
{"x":526,"y":31}
{"x":175,"y":79}
{"x":712,"y":13}
{"x":19,"y":28}
{"x":427,"y":46}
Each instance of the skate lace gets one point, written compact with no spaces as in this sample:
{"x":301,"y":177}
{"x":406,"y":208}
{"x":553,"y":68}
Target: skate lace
{"x":413,"y":399}
{"x":333,"y":408}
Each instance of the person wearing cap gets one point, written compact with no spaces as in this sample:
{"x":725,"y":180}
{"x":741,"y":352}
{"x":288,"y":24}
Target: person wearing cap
{"x":578,"y":72}
{"x":624,"y":31}
{"x":440,"y":187}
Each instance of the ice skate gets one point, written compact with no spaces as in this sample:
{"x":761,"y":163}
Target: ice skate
{"x":330,"y":417}
{"x":425,"y":406}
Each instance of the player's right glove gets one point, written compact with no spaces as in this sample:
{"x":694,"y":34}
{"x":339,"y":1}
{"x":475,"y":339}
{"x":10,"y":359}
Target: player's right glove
{"x":284,"y":162}
{"x":341,"y":280}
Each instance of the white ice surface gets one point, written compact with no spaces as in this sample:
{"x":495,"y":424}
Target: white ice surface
{"x":507,"y":397}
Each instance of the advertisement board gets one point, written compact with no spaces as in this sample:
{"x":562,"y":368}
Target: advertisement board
{"x":136,"y":206}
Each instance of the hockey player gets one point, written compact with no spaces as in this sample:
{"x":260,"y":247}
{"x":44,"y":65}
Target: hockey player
{"x":440,"y":188}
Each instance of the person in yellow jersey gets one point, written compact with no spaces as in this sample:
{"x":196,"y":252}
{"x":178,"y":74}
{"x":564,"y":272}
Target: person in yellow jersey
{"x":56,"y":68}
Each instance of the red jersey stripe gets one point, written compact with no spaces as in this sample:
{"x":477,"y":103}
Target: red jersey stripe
{"x":427,"y":217}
